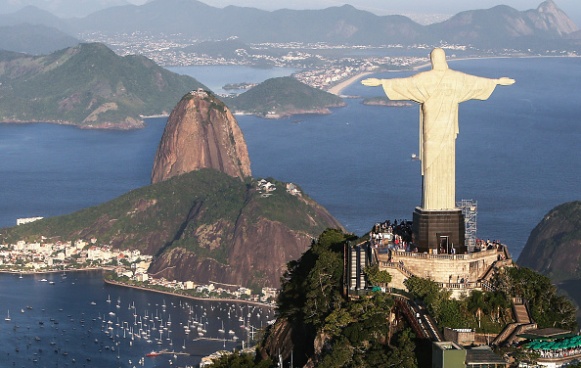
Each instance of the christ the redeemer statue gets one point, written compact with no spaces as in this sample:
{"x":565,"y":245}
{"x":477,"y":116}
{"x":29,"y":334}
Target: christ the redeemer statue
{"x":439,"y":91}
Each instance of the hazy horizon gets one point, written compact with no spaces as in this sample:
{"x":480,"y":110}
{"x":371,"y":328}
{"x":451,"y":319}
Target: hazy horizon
{"x":422,"y":11}
{"x":401,"y":7}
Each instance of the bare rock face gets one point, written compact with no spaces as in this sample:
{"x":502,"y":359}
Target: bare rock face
{"x":549,"y":17}
{"x":252,"y":249}
{"x":201,"y":132}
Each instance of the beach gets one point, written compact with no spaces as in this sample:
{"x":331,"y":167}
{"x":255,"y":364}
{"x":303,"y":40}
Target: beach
{"x":338,"y":88}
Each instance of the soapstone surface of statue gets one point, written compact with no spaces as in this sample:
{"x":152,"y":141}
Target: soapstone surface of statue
{"x":439,"y":91}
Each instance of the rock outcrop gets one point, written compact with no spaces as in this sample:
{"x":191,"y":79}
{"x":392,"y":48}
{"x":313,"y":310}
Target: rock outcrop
{"x":251,"y":251}
{"x":201,"y":132}
{"x":554,"y":246}
{"x":549,"y":18}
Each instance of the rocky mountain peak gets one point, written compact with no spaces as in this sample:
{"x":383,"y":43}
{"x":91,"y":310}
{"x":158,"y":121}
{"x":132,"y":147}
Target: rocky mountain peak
{"x":201,"y":132}
{"x":549,"y":17}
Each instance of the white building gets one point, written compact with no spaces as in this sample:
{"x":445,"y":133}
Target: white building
{"x":27,"y":220}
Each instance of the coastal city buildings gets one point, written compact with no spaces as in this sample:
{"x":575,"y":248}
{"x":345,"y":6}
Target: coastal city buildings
{"x":129,"y":267}
{"x":318,"y":64}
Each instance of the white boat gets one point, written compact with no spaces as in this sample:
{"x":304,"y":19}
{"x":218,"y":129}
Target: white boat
{"x":8,"y":319}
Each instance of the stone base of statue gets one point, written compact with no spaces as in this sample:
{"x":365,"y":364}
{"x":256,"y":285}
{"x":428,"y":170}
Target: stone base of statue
{"x":439,"y":232}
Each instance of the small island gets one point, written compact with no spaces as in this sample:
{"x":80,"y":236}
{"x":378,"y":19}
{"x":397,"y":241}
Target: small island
{"x":282,"y":97}
{"x":236,"y":86}
{"x":384,"y":101}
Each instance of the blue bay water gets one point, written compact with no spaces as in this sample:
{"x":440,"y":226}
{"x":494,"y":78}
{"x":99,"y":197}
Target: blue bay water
{"x":217,"y":77}
{"x":517,"y":156}
{"x":67,"y":321}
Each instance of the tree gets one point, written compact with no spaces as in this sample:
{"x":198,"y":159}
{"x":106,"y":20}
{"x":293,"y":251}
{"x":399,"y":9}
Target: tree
{"x":547,"y":308}
{"x":496,"y":303}
{"x":403,"y":356}
{"x":240,"y":360}
{"x":476,"y":304}
{"x":375,"y":276}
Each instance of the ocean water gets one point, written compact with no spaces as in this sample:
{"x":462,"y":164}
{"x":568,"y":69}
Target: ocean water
{"x":67,"y":321}
{"x":217,"y":77}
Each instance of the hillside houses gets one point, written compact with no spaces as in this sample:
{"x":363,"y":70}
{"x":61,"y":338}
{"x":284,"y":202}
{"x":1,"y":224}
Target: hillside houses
{"x":46,"y":255}
{"x":267,"y":188}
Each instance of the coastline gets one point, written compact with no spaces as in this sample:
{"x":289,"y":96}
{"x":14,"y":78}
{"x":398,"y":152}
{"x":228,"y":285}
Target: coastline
{"x":48,"y":272}
{"x":225,"y":300}
{"x":116,"y":283}
{"x":338,"y":88}
{"x":101,"y":126}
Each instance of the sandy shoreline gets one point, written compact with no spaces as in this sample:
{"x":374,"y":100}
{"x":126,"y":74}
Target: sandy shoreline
{"x":337,"y":89}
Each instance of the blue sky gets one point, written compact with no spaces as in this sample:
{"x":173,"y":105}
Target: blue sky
{"x":384,"y":7}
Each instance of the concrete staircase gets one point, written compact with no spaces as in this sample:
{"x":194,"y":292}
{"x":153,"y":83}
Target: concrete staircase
{"x":521,"y":314}
{"x":512,"y":330}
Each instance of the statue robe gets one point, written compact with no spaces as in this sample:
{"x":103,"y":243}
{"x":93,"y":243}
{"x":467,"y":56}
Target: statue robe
{"x":439,"y":92}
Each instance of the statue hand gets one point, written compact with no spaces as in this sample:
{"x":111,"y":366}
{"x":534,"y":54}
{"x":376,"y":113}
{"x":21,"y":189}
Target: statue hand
{"x":504,"y":81}
{"x":371,"y":82}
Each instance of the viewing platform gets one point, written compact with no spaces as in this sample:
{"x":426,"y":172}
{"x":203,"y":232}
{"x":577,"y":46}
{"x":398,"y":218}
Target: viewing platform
{"x":459,"y":273}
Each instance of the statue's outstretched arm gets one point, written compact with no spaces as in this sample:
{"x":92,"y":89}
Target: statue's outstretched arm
{"x":504,"y":81}
{"x":371,"y":82}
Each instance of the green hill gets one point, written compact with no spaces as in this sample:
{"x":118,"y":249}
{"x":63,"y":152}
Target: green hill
{"x":89,"y":86}
{"x":554,"y":246}
{"x":205,"y":224}
{"x":284,"y":96}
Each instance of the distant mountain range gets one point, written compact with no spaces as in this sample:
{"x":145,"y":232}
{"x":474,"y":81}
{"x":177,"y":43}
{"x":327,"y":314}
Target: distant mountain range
{"x":62,"y":8}
{"x":34,"y":39}
{"x":501,"y":26}
{"x":89,"y":86}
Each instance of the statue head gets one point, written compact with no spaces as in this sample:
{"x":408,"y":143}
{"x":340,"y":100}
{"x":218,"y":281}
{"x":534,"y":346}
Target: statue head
{"x":438,"y":58}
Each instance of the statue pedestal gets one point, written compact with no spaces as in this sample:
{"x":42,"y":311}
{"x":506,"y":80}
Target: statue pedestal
{"x":439,"y":231}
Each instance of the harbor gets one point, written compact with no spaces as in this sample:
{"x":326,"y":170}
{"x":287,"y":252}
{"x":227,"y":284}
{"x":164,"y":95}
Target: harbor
{"x":79,"y":319}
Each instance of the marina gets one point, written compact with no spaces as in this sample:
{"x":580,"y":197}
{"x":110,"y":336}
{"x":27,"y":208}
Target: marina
{"x":112,"y":326}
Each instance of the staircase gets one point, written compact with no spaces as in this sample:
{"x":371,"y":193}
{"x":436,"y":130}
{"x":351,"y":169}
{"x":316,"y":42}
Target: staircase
{"x":512,"y":330}
{"x":521,"y":314}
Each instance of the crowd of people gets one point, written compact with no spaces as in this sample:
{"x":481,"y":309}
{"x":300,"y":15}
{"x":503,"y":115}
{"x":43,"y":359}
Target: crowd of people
{"x":396,"y":235}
